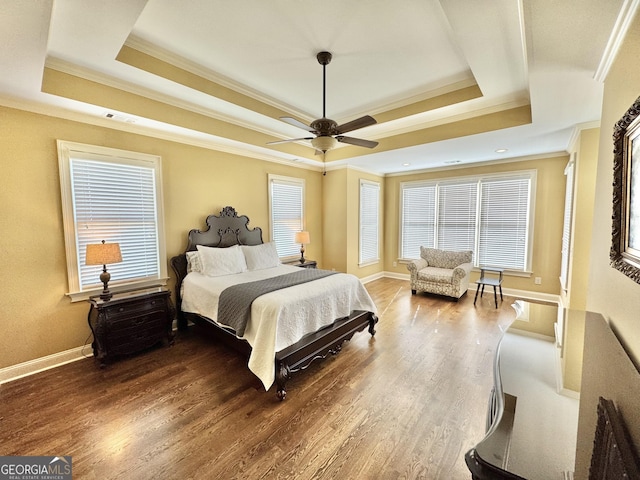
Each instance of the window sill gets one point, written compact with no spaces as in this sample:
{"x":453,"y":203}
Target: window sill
{"x":507,"y":272}
{"x":123,"y":287}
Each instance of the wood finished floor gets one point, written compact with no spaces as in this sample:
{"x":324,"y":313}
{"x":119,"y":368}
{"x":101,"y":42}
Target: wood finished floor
{"x":406,"y":404}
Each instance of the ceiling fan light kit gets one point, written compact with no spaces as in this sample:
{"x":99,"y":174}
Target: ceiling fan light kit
{"x":327,"y":132}
{"x":324,"y":144}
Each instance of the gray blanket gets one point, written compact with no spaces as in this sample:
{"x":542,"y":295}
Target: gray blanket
{"x":234,"y":305}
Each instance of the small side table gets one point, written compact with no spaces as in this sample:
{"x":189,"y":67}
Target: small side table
{"x":306,"y":264}
{"x":491,"y":281}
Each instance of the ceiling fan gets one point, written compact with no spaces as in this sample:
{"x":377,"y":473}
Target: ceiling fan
{"x":327,"y":132}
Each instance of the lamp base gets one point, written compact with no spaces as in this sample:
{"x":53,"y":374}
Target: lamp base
{"x":104,"y":278}
{"x":302,"y":259}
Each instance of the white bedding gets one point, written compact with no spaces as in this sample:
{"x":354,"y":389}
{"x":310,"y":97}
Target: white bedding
{"x":280,"y":318}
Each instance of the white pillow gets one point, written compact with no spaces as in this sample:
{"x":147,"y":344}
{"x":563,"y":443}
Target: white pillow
{"x":221,"y":261}
{"x":193,"y":262}
{"x":261,"y":256}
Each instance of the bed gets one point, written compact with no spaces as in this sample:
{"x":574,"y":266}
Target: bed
{"x":286,"y":329}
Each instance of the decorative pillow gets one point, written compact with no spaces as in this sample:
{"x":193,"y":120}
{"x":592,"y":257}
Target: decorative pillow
{"x":221,"y":261}
{"x":261,"y":256}
{"x":193,"y":262}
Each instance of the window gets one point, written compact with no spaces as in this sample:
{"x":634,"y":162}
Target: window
{"x":418,"y":218}
{"x":456,"y":225}
{"x":504,"y":222}
{"x":116,"y":196}
{"x":286,"y":201}
{"x":369,"y":222}
{"x":488,"y":215}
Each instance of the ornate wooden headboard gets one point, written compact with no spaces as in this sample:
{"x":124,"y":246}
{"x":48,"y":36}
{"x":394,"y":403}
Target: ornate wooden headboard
{"x":223,"y":230}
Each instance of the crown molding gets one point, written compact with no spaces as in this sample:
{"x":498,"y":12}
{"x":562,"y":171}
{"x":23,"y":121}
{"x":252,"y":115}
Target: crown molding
{"x":178,"y":61}
{"x":577,"y":130}
{"x":444,"y":116}
{"x":109,"y":81}
{"x":449,"y":85}
{"x":203,"y":142}
{"x":625,"y":17}
{"x":460,"y":166}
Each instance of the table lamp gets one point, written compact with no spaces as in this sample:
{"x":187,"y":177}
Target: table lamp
{"x":303,"y":239}
{"x":103,"y":254}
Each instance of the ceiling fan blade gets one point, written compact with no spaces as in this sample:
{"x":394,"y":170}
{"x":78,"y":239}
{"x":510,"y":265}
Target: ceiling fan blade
{"x":290,"y":140}
{"x":357,"y":141}
{"x":296,"y":123}
{"x":356,"y":124}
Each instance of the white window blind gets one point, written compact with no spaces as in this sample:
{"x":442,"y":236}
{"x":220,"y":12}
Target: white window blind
{"x":488,"y":215}
{"x":286,"y":199}
{"x":116,"y":203}
{"x":456,"y":225}
{"x":115,"y":196}
{"x":566,"y":228}
{"x":504,"y":222}
{"x":418,"y":219}
{"x":369,"y":222}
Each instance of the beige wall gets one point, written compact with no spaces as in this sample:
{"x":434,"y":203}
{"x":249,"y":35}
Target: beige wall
{"x":548,"y":218}
{"x":334,"y":221}
{"x":37,"y":317}
{"x":610,"y":292}
{"x":341,"y":234}
{"x":586,"y":156}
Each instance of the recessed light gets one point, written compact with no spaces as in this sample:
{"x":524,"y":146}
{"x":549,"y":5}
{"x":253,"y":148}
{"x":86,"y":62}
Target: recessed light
{"x":502,"y":150}
{"x":406,"y":164}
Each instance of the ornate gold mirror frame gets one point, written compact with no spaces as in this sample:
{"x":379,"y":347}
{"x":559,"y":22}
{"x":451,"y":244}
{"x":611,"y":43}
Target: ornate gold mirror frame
{"x":625,"y":245}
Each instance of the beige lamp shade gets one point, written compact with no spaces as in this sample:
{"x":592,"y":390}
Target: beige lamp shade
{"x":302,"y":238}
{"x":103,"y":254}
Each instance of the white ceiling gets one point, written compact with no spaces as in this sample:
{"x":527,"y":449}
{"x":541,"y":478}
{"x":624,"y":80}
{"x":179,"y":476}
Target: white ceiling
{"x":386,"y":54}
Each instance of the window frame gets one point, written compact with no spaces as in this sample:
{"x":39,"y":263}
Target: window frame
{"x":298,"y":182}
{"x":364,"y":184}
{"x":66,"y":151}
{"x":478,"y":179}
{"x":567,"y":225}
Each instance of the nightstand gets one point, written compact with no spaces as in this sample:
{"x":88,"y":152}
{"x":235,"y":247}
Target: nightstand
{"x":306,"y":264}
{"x":130,"y":322}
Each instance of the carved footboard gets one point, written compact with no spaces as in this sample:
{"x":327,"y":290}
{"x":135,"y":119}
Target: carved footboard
{"x":228,"y":229}
{"x":319,"y":345}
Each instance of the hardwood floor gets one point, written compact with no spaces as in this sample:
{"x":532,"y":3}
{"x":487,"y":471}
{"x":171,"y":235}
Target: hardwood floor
{"x":406,"y":404}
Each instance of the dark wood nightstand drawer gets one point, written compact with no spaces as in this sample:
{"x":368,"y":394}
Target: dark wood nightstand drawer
{"x":133,"y":343}
{"x":124,"y":327}
{"x":126,"y":310}
{"x":130,"y":322}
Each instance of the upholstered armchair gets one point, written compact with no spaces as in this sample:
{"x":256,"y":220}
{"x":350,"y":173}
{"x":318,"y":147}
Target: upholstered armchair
{"x":441,"y":272}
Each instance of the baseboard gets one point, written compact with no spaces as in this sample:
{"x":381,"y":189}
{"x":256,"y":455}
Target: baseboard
{"x":37,"y":365}
{"x":512,"y":292}
{"x":14,"y":372}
